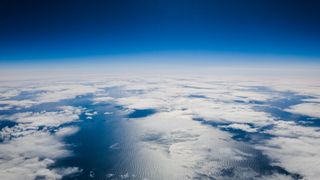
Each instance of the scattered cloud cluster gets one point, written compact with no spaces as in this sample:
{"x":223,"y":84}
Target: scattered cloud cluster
{"x":308,"y":109}
{"x":295,"y":147}
{"x":44,"y":118}
{"x":233,"y":103}
{"x":29,"y":95}
{"x":29,"y":148}
{"x":171,"y":135}
{"x":29,"y":156}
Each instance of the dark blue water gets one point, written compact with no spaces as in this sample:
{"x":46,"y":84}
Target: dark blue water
{"x":7,"y":123}
{"x":98,"y":147}
{"x":140,"y":113}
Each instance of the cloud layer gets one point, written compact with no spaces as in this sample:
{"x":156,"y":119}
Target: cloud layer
{"x":193,"y":126}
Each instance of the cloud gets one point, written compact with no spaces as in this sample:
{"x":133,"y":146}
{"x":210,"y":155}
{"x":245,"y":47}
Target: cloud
{"x":175,"y":142}
{"x":60,"y":92}
{"x":139,"y":103}
{"x":176,"y":108}
{"x":243,"y":127}
{"x":17,"y":103}
{"x":308,"y":109}
{"x":29,"y":157}
{"x":66,"y":131}
{"x":248,"y":95}
{"x":49,"y":119}
{"x":8,"y":93}
{"x":297,"y":155}
{"x":294,"y":147}
{"x":104,"y":99}
{"x":218,"y":105}
{"x":42,"y":93}
{"x":289,"y":143}
{"x":292,"y":130}
{"x":27,"y":151}
{"x":227,"y":112}
{"x":3,"y":108}
{"x":192,"y":149}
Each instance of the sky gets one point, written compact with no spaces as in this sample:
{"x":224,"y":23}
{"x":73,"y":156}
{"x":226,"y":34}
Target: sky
{"x":153,"y":31}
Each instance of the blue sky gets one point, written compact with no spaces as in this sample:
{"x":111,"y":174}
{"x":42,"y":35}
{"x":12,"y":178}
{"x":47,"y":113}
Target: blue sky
{"x":68,"y":31}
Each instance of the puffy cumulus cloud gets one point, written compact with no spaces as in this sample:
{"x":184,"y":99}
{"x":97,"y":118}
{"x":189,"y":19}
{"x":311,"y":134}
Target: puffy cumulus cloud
{"x":60,"y":92}
{"x":45,"y":93}
{"x":178,"y":101}
{"x":27,"y":151}
{"x":30,"y":122}
{"x":66,"y":131}
{"x":190,"y":150}
{"x":316,"y":100}
{"x":41,"y":140}
{"x":304,"y":86}
{"x":211,"y":101}
{"x":7,"y":93}
{"x":297,"y":155}
{"x":308,"y":109}
{"x":228,"y":112}
{"x":276,"y":177}
{"x":295,"y":148}
{"x":243,"y":127}
{"x":102,"y":99}
{"x":292,"y":130}
{"x":48,"y":119}
{"x":29,"y":156}
{"x":17,"y":103}
{"x":186,"y":146}
{"x":141,"y":102}
{"x":251,"y":95}
{"x":3,"y":108}
{"x":20,"y":130}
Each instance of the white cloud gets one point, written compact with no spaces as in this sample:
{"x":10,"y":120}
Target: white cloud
{"x":49,"y":119}
{"x":18,"y":103}
{"x":27,"y":152}
{"x":243,"y":127}
{"x":183,"y":147}
{"x":66,"y":131}
{"x":217,"y":106}
{"x":170,"y":98}
{"x":238,"y":113}
{"x":309,"y":109}
{"x":292,"y":130}
{"x":43,"y":93}
{"x":296,"y":148}
{"x":104,"y":99}
{"x":172,"y":140}
{"x":8,"y":93}
{"x":252,"y":95}
{"x":60,"y":92}
{"x":29,"y":156}
{"x":3,"y":108}
{"x":297,"y":155}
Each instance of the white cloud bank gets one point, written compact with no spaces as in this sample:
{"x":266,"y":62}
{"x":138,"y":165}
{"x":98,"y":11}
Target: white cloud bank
{"x":49,"y":119}
{"x":295,"y":147}
{"x":184,"y":143}
{"x":308,"y":109}
{"x":44,"y":93}
{"x":27,"y":152}
{"x":29,"y":156}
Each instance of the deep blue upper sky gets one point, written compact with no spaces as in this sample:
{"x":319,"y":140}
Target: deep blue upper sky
{"x":40,"y":30}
